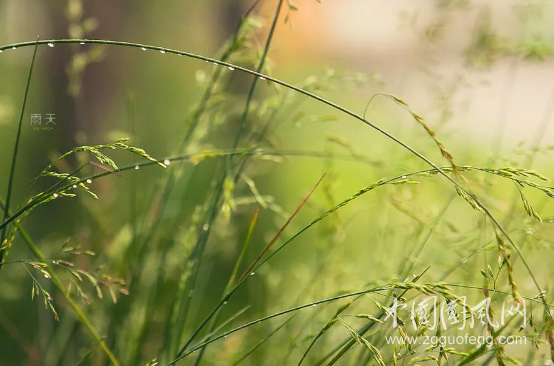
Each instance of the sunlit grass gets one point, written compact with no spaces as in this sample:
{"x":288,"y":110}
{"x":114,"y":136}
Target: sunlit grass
{"x":240,"y":251}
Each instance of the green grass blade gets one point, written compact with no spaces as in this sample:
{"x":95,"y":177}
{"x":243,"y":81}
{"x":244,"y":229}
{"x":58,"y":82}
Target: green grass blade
{"x":231,"y":280}
{"x":3,"y":252}
{"x":261,"y":343}
{"x":259,"y":69}
{"x":246,"y":274}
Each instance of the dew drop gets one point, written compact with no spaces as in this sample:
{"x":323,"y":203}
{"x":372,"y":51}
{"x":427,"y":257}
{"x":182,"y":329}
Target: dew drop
{"x":205,"y":227}
{"x":231,"y":68}
{"x":143,"y":48}
{"x":81,"y":42}
{"x":262,"y":78}
{"x":50,"y":44}
{"x":167,"y":162}
{"x":252,"y":274}
{"x":225,"y":302}
{"x":314,"y":305}
{"x":215,"y":63}
{"x":403,"y":177}
{"x":89,"y":181}
{"x":495,"y":172}
{"x":136,"y":167}
{"x":55,"y":262}
{"x":14,"y":48}
{"x":74,"y":186}
{"x":1,"y":51}
{"x":55,"y":195}
{"x":162,"y":51}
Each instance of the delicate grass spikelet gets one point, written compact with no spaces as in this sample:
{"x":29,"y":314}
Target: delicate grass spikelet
{"x":196,"y":159}
{"x":361,"y":340}
{"x":549,"y":325}
{"x":76,"y":181}
{"x":499,"y":348}
{"x":415,"y":360}
{"x":37,"y":288}
{"x":341,"y":141}
{"x":469,"y":198}
{"x":368,"y":317}
{"x":455,"y":352}
{"x":96,"y":150}
{"x":153,"y":362}
{"x":228,"y":201}
{"x":527,"y":206}
{"x":327,"y":326}
{"x":135,"y":150}
{"x":98,"y":281}
{"x":7,"y":244}
{"x":509,"y":269}
{"x":252,"y":185}
{"x":445,"y":153}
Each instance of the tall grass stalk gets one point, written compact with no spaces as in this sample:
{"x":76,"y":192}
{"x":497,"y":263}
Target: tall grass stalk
{"x":4,"y":246}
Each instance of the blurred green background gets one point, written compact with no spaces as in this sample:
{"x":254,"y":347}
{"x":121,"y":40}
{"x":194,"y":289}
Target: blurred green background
{"x":479,"y":72}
